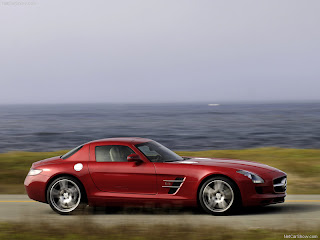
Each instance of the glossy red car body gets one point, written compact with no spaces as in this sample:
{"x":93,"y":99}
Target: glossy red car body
{"x":127,"y":183}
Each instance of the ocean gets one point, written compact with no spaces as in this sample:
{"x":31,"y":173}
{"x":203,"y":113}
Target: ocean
{"x":178,"y":126}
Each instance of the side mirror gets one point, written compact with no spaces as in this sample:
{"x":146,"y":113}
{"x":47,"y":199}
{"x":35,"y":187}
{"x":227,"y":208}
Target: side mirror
{"x":134,"y":158}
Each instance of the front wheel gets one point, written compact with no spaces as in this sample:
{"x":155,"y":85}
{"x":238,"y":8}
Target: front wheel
{"x":219,"y":196}
{"x":65,"y":195}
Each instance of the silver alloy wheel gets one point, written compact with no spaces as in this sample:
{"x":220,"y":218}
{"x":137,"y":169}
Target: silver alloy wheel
{"x":65,"y":195}
{"x":218,"y":196}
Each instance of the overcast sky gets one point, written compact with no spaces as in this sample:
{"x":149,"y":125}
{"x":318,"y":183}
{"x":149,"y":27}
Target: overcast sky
{"x":159,"y":51}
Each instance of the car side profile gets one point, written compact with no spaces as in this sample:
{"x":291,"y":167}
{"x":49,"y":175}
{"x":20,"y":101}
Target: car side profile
{"x":140,"y":171}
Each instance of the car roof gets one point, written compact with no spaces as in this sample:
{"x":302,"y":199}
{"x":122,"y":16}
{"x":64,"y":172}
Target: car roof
{"x":133,"y":140}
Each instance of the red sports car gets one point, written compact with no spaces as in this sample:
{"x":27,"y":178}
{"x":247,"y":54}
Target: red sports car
{"x":130,"y":171}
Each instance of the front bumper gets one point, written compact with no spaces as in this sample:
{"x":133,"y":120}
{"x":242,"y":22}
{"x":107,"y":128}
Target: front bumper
{"x":36,"y":187}
{"x":264,"y":199}
{"x":262,"y":194}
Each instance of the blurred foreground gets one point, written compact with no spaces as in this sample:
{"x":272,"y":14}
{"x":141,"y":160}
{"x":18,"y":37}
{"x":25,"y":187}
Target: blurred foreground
{"x":86,"y":230}
{"x":24,"y":219}
{"x":297,"y":211}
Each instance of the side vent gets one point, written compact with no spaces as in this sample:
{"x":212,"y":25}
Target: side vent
{"x":173,"y":185}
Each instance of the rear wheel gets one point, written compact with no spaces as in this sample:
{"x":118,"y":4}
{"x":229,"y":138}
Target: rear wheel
{"x":65,"y":195}
{"x":219,"y":196}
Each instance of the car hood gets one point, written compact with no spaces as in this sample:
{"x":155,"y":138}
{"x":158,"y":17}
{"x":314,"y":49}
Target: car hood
{"x":45,"y":161}
{"x":231,"y":163}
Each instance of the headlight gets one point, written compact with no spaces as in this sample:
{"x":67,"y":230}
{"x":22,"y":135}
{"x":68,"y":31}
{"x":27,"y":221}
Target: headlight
{"x":33,"y":172}
{"x":254,"y":177}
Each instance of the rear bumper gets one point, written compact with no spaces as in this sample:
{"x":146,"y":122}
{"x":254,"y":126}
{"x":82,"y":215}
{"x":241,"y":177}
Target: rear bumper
{"x":36,"y":187}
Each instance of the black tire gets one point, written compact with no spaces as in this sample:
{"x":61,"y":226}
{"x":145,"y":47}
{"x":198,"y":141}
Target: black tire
{"x":66,"y":195}
{"x":219,"y":196}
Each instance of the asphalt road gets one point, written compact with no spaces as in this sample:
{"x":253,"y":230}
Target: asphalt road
{"x":298,"y":212}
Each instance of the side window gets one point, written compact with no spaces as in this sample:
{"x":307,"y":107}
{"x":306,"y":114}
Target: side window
{"x":112,"y":153}
{"x":148,"y":151}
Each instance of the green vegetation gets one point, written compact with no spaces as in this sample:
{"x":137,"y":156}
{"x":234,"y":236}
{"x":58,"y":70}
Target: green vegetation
{"x":301,"y":165}
{"x":87,"y":230}
{"x":15,"y":166}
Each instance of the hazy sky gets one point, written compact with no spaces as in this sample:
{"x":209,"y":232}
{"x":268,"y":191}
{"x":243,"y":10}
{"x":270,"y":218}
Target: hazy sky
{"x":159,"y":51}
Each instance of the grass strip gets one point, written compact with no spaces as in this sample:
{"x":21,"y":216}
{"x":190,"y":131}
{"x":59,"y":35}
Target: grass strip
{"x":301,"y":165}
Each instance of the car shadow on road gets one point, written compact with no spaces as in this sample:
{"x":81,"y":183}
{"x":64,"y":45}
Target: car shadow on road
{"x":293,"y":208}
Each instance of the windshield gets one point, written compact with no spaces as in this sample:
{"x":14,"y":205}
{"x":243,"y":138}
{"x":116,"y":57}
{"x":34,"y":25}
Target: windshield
{"x":156,"y":152}
{"x":70,"y":153}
